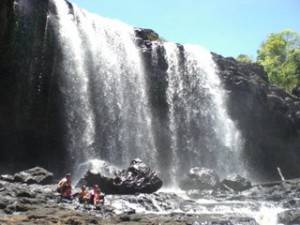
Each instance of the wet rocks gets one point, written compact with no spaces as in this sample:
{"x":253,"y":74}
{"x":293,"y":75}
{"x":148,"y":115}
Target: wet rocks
{"x":199,"y":179}
{"x":236,"y":183}
{"x":22,"y":203}
{"x":90,"y":178}
{"x":7,"y":177}
{"x":138,"y":178}
{"x":204,"y":182}
{"x":289,"y":217}
{"x":36,"y":175}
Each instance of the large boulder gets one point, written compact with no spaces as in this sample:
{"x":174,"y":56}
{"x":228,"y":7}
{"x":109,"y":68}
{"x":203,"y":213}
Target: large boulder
{"x":91,"y":171}
{"x":199,"y":179}
{"x":236,"y":183}
{"x":36,"y":175}
{"x":138,"y":178}
{"x":92,"y":177}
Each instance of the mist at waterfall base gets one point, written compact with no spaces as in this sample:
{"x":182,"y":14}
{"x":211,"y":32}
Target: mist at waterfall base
{"x":108,"y":111}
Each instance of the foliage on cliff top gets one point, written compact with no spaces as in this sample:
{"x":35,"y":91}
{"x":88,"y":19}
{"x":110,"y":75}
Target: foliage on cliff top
{"x":279,"y":54}
{"x":244,"y":58}
{"x":153,"y":37}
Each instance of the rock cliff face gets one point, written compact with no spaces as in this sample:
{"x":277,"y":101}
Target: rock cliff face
{"x":30,"y":103}
{"x":268,"y":117}
{"x":31,"y":128}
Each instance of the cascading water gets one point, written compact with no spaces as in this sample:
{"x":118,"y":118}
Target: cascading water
{"x":202,"y":134}
{"x":118,"y":91}
{"x":107,"y":108}
{"x":104,"y":87}
{"x":110,"y":119}
{"x":75,"y":86}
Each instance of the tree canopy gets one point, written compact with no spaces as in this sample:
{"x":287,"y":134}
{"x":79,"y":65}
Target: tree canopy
{"x":280,"y":57}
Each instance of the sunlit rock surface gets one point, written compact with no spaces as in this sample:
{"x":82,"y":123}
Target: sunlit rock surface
{"x":263,"y":204}
{"x":137,"y":178}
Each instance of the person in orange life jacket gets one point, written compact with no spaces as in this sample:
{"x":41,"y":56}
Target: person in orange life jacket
{"x":64,"y":187}
{"x":95,"y":196}
{"x":83,"y":195}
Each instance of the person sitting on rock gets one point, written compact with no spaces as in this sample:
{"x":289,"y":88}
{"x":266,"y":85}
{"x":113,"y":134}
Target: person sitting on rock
{"x":83,"y":195}
{"x":95,"y":196}
{"x":64,"y":187}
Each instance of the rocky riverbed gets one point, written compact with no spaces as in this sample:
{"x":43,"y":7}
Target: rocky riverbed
{"x":264,"y":204}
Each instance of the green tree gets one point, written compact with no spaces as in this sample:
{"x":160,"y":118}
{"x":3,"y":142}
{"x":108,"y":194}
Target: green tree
{"x":280,"y":56}
{"x":244,"y":58}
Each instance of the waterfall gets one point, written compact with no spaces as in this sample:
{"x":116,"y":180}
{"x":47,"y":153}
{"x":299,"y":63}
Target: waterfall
{"x":79,"y":116}
{"x":107,"y":106}
{"x":202,"y":134}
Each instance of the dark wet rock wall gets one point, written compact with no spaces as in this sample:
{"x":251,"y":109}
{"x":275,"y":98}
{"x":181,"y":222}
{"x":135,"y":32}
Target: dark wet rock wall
{"x":30,"y":103}
{"x":268,"y":117}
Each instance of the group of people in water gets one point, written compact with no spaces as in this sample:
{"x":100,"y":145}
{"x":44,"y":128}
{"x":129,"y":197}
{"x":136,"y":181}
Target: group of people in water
{"x":93,"y":196}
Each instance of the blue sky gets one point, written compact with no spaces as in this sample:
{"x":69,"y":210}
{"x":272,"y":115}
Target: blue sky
{"x":227,"y":27}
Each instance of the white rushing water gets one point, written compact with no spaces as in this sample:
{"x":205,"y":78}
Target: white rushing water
{"x":75,"y":86}
{"x":197,"y":106}
{"x":106,"y":100}
{"x":245,"y":212}
{"x":104,"y":88}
